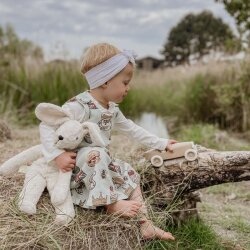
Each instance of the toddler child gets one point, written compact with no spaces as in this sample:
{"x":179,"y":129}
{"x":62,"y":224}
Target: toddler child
{"x":98,"y":179}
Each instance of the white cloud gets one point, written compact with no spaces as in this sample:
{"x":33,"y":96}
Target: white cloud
{"x":77,"y":27}
{"x":5,"y":9}
{"x":141,"y":25}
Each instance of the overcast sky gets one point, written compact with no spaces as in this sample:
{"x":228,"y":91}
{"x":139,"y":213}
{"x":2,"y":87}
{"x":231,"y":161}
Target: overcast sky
{"x":65,"y":28}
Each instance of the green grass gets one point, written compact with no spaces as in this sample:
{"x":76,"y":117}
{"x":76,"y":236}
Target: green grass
{"x":160,"y":100}
{"x":211,"y":136}
{"x":226,"y":189}
{"x":203,"y":134}
{"x":190,"y":236}
{"x":234,"y":221}
{"x":240,"y":227}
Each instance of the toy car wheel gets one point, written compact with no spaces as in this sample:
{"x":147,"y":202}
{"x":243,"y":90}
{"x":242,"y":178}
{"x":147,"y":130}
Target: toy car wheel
{"x":191,"y":155}
{"x":156,"y":160}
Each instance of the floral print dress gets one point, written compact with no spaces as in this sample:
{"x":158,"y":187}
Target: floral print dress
{"x":98,"y":179}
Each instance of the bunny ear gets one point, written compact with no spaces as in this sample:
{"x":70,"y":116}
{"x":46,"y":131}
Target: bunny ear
{"x":95,"y":133}
{"x":51,"y":114}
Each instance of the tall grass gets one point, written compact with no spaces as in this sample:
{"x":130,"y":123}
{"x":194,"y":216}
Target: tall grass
{"x":220,"y":95}
{"x":21,"y":89}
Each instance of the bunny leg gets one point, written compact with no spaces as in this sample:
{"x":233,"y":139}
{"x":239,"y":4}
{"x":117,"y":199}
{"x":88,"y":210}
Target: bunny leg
{"x":34,"y":184}
{"x":61,"y":188}
{"x":64,"y":212}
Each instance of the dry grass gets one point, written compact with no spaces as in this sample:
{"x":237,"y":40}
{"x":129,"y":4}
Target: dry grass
{"x":5,"y":132}
{"x":179,"y":74}
{"x":89,"y":230}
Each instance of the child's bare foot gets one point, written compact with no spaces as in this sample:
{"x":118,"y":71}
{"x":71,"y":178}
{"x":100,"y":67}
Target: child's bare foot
{"x":125,"y":208}
{"x":149,"y":231}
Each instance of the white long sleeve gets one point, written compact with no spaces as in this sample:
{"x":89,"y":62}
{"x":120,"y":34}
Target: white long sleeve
{"x":136,"y":132}
{"x":47,"y":133}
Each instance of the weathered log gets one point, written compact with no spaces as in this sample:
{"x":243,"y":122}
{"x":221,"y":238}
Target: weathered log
{"x":178,"y":178}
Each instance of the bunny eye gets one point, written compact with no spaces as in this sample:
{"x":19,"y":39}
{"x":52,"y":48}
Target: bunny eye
{"x":76,"y":138}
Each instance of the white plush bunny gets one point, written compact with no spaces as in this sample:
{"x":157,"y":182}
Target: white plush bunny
{"x":40,"y":174}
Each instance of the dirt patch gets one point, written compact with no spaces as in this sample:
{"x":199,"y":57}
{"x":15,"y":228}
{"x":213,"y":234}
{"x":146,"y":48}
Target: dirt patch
{"x":226,"y":208}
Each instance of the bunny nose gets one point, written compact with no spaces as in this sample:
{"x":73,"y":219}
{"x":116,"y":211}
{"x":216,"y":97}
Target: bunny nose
{"x":60,"y":137}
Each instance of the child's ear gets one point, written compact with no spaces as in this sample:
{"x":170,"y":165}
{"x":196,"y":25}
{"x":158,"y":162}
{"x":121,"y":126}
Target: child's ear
{"x":52,"y":114}
{"x":105,"y":85}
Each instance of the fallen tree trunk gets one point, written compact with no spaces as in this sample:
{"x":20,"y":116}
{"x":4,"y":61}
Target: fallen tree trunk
{"x":176,"y":180}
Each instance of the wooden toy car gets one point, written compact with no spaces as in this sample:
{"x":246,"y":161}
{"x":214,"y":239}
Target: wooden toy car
{"x":180,"y":149}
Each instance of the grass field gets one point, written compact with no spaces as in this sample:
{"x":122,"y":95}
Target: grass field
{"x":224,"y":210}
{"x":209,"y":104}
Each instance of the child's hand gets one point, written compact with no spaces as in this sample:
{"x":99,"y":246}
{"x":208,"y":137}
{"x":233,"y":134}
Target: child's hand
{"x":169,"y":145}
{"x":66,"y":161}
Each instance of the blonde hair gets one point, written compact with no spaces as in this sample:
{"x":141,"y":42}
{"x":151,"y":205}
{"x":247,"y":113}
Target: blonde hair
{"x":97,"y":54}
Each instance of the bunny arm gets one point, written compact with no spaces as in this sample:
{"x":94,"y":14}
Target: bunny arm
{"x":27,"y":156}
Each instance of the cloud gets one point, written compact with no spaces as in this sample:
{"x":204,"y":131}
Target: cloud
{"x":142,"y":25}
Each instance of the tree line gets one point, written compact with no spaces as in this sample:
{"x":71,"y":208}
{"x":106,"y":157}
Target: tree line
{"x":193,"y":37}
{"x":197,"y":35}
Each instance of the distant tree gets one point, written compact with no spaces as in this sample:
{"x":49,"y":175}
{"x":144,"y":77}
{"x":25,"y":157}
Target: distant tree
{"x":1,"y":37}
{"x":196,"y":36}
{"x":11,"y":45}
{"x":240,"y":11}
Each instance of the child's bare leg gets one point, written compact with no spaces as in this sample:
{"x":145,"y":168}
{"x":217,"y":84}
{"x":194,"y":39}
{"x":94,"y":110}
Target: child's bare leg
{"x":124,"y":208}
{"x":137,"y":196}
{"x":148,"y":230}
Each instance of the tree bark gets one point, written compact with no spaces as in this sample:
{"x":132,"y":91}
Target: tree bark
{"x":177,"y":179}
